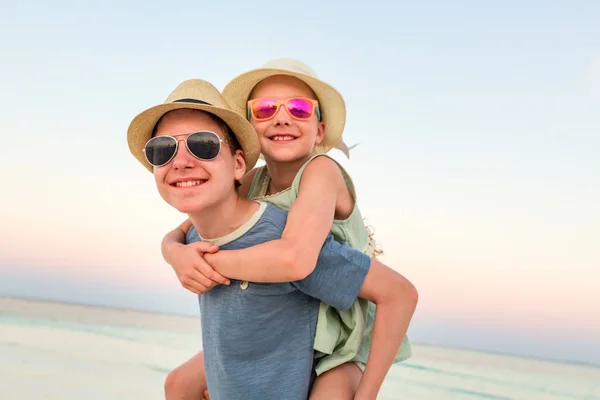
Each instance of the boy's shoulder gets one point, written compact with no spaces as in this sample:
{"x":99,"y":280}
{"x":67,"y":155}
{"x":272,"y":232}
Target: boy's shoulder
{"x":268,"y":226}
{"x":274,"y":215}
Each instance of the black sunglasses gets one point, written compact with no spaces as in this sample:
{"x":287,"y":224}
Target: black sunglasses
{"x":204,"y":145}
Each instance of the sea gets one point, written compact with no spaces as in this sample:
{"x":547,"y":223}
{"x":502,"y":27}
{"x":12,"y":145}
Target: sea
{"x":64,"y":351}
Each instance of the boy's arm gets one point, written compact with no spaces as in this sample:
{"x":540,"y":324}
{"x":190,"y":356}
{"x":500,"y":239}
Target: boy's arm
{"x":341,"y":275}
{"x":294,"y":256}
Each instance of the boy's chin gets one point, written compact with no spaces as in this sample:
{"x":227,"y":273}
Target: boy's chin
{"x":187,"y":208}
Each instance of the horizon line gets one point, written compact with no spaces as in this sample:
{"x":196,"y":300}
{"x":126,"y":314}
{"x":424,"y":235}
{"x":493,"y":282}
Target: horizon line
{"x":182,"y":315}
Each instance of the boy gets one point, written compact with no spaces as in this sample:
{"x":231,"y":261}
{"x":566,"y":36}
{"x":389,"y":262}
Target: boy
{"x":257,"y":338}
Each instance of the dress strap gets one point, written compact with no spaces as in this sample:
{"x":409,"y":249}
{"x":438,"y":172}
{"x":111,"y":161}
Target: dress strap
{"x":260,"y":183}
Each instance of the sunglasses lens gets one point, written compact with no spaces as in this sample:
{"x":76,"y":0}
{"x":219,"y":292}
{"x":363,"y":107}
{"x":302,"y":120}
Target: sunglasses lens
{"x":300,"y":108}
{"x":264,"y":108}
{"x":159,"y":150}
{"x":204,"y":145}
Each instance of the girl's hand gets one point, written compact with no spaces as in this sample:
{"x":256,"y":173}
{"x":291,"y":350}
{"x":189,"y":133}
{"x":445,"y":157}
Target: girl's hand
{"x":194,"y":273}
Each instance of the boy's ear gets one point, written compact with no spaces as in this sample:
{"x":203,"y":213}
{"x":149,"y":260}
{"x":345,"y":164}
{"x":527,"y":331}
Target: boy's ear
{"x":240,"y":164}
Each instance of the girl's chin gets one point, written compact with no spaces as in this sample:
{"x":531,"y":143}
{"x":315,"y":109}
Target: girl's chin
{"x":287,"y":155}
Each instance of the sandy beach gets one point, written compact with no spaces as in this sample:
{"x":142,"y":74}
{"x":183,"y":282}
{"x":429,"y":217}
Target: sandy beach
{"x":70,"y":312}
{"x":67,"y":351}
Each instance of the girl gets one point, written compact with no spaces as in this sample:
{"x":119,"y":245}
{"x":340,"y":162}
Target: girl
{"x":297,"y":118}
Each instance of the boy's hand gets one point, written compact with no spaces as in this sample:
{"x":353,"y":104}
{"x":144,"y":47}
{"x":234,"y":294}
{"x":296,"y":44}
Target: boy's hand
{"x":192,"y":270}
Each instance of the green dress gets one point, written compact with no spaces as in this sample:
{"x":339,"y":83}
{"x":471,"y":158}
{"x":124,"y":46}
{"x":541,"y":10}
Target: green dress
{"x":341,"y":336}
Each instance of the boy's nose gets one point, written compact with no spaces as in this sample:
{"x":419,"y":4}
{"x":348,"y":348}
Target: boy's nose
{"x":183,"y":158}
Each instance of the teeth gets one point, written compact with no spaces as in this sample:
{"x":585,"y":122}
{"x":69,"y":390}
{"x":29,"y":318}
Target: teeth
{"x":188,"y":183}
{"x":280,"y":137}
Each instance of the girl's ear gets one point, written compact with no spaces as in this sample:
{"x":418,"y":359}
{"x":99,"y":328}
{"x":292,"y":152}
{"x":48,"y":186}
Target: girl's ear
{"x":320,"y":132}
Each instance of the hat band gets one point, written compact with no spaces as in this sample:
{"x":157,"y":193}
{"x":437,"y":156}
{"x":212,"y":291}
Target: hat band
{"x":192,"y":101}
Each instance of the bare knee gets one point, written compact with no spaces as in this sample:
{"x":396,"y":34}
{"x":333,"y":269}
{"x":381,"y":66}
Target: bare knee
{"x":175,"y":384}
{"x":186,"y":381}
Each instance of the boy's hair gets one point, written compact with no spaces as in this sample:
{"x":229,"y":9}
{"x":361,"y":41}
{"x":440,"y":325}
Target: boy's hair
{"x":234,"y":144}
{"x":230,"y":138}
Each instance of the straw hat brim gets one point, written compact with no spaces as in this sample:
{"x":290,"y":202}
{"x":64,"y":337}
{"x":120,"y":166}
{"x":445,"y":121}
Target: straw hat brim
{"x":141,"y":128}
{"x":332,"y":104}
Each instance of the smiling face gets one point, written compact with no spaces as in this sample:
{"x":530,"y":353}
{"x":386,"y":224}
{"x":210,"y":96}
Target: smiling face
{"x":191,"y":185}
{"x":284,"y":138}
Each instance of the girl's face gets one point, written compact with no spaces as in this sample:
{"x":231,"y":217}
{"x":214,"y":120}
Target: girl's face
{"x":288,"y":135}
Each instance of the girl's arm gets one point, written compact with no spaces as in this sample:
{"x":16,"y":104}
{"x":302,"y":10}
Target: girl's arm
{"x":344,"y":274}
{"x":396,"y":300}
{"x":193,"y":272}
{"x":173,"y":239}
{"x":294,"y":256}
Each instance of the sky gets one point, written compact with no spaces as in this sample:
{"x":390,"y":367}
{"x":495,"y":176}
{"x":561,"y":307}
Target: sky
{"x":477,"y":128}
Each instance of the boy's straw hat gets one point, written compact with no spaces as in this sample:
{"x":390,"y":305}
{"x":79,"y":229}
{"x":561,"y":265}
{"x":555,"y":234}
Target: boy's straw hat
{"x":200,"y":95}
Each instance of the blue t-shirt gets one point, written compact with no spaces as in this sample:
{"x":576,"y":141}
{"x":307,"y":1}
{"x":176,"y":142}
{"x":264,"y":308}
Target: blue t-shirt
{"x":258,"y":337}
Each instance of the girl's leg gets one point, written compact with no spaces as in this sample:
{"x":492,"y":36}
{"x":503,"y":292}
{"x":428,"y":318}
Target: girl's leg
{"x":339,"y":383}
{"x":188,"y":381}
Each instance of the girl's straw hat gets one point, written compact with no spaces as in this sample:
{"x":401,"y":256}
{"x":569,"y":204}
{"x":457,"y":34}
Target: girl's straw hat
{"x":331,"y":102}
